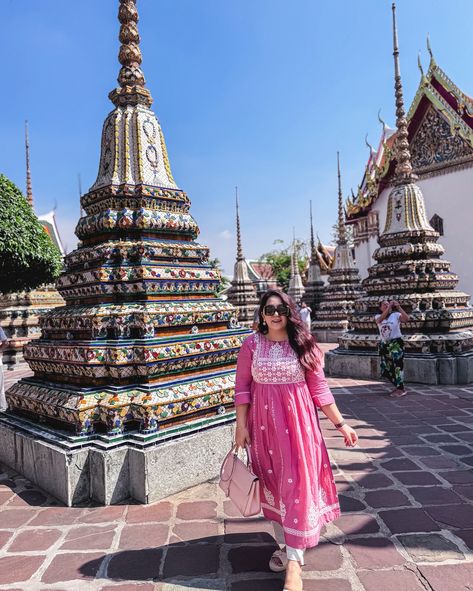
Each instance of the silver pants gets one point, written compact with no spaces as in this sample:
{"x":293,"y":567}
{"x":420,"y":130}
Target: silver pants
{"x":3,"y":402}
{"x":292,"y":553}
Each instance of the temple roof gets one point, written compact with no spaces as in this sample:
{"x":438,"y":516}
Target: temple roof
{"x":48,"y":221}
{"x":440,"y":112}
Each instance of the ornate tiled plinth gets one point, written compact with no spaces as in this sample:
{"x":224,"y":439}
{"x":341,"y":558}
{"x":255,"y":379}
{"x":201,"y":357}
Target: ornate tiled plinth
{"x":19,"y":318}
{"x":143,"y":343}
{"x":408,"y":268}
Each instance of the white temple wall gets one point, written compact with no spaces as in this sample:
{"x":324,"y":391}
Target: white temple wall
{"x":450,"y":196}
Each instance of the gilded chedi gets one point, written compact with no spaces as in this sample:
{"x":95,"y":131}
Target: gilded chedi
{"x":314,"y":288}
{"x":409,"y":267}
{"x":242,"y":292}
{"x":344,"y":284}
{"x":143,"y":338}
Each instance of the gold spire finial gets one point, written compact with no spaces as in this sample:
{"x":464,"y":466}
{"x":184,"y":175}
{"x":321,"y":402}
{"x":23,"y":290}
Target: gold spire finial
{"x":419,"y":64}
{"x":29,"y":188}
{"x":342,"y":235}
{"x":403,"y":169}
{"x":131,"y":79}
{"x":429,"y":48}
{"x":312,"y":240}
{"x":240,"y":256}
{"x":383,"y":123}
{"x":369,"y":146}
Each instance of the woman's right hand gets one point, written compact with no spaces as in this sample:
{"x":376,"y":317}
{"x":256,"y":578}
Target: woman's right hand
{"x":242,"y":436}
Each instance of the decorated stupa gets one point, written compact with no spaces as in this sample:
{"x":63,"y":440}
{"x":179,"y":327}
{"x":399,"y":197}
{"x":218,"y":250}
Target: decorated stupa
{"x":20,"y":311}
{"x":242,"y":293}
{"x":409,"y":268}
{"x":296,"y":288}
{"x":344,"y":284}
{"x":315,"y":285}
{"x":143,"y":341}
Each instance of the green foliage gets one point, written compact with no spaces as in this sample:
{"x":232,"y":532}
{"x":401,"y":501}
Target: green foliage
{"x":280,"y":260}
{"x":28,"y":257}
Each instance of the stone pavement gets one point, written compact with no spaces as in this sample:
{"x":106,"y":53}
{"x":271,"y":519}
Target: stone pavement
{"x":406,"y":493}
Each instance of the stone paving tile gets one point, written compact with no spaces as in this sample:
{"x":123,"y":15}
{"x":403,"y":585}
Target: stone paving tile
{"x":420,"y":478}
{"x":72,"y":566}
{"x":385,"y":580}
{"x":376,"y":481}
{"x":195,"y":530}
{"x":199,"y":560}
{"x":386,"y":498}
{"x":434,"y":495}
{"x":5,"y":536}
{"x":128,"y":587}
{"x":17,"y":568}
{"x":408,"y":520}
{"x":149,"y":513}
{"x":430,"y":548}
{"x":136,"y":537}
{"x":327,"y":585}
{"x":374,"y":553}
{"x":133,"y":565}
{"x":89,"y":537}
{"x":35,"y":539}
{"x":459,"y":576}
{"x":357,"y":524}
{"x":458,"y":516}
{"x":466,"y":536}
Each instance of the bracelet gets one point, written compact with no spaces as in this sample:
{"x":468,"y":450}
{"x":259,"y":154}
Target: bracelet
{"x":339,"y":425}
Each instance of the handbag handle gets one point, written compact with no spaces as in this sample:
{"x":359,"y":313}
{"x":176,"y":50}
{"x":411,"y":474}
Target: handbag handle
{"x":233,"y":451}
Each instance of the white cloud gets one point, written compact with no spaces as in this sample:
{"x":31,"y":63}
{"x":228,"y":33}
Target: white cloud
{"x":226,"y":235}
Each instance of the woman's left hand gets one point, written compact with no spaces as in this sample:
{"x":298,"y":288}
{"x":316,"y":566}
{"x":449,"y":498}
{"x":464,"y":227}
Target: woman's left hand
{"x":349,"y":434}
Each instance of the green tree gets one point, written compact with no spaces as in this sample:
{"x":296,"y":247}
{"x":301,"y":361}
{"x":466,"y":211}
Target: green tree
{"x":280,"y":260}
{"x":28,"y":257}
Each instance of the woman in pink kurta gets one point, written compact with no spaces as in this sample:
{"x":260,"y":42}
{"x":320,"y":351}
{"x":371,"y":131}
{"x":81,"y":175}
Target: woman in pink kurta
{"x":279,"y":384}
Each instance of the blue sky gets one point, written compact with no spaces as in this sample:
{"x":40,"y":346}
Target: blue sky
{"x":255,"y":93}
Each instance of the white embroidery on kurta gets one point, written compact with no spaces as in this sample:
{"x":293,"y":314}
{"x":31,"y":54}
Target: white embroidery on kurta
{"x":275,"y":363}
{"x":269,"y":496}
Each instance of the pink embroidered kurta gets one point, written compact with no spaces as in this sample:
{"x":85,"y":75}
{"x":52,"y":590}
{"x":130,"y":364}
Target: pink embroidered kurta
{"x":288,"y":451}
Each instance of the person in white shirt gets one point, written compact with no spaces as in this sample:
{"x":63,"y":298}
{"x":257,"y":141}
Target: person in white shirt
{"x":305,"y":313}
{"x":3,"y":345}
{"x":391,"y":345}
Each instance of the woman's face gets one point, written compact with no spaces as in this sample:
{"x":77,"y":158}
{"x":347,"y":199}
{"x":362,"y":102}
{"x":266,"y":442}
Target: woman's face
{"x":276,"y":322}
{"x":384,"y":305}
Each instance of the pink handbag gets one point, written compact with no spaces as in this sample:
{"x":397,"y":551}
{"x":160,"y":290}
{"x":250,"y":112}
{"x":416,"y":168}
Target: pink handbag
{"x":240,"y":484}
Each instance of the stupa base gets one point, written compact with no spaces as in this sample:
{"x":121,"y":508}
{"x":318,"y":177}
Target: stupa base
{"x":109,"y":470}
{"x":420,"y":368}
{"x":329,"y":335}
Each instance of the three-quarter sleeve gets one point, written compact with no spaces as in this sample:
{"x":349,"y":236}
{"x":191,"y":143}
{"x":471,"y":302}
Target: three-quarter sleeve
{"x":243,"y":374}
{"x":318,"y":387}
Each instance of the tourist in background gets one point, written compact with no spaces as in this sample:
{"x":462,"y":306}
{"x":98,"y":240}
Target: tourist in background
{"x":305,"y":313}
{"x":254,"y":325}
{"x":279,"y":384}
{"x":3,"y":345}
{"x":391,"y":345}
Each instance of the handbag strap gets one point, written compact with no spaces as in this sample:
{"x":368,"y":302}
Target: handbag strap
{"x":234,"y":451}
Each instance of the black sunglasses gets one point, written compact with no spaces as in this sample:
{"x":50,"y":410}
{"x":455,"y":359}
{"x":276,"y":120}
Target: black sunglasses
{"x":271,"y":310}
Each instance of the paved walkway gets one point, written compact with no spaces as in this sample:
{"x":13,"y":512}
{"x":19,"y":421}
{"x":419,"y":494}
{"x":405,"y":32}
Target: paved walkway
{"x":406,"y":493}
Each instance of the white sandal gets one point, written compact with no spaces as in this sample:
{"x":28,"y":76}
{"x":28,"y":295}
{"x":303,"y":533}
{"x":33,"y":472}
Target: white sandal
{"x":278,"y":561}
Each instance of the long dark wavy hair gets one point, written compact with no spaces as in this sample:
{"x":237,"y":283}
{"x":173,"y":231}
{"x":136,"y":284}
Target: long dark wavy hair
{"x":300,"y":339}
